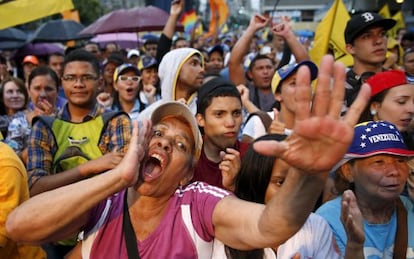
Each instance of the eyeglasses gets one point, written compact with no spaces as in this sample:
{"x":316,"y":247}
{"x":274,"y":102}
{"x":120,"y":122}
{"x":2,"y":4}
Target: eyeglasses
{"x":82,"y":78}
{"x":132,"y":78}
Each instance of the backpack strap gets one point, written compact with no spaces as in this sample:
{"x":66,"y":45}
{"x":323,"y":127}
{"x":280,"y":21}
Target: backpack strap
{"x":264,"y":117}
{"x":48,"y":120}
{"x":107,"y":117}
{"x":401,"y":237}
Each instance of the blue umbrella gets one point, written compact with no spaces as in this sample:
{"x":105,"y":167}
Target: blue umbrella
{"x":13,"y":34}
{"x":10,"y":44}
{"x":59,"y":31}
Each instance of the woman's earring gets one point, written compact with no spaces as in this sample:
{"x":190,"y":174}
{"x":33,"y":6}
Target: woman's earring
{"x":373,"y":112}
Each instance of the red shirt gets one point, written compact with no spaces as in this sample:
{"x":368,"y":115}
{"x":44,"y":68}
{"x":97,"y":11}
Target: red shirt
{"x":209,"y":172}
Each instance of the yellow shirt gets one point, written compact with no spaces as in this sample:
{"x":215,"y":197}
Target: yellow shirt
{"x":13,"y":191}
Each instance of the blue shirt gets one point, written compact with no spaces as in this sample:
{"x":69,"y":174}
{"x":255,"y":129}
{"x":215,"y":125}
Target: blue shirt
{"x":379,"y":238}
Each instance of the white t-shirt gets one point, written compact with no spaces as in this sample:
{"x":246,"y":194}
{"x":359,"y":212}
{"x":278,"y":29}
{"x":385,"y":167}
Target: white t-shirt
{"x":254,"y":127}
{"x":313,"y":240}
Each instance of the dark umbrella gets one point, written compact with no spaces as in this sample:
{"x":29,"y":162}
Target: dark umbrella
{"x":126,"y":40}
{"x":11,"y":44}
{"x":12,"y":34}
{"x":39,"y":49}
{"x":138,"y":19}
{"x":59,"y":31}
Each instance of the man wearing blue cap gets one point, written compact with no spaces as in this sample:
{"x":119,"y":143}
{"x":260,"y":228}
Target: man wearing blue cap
{"x":376,"y":168}
{"x":283,"y":87}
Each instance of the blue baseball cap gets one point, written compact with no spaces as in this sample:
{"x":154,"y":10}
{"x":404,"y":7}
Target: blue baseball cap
{"x":373,"y":138}
{"x":284,"y":72}
{"x":146,"y":62}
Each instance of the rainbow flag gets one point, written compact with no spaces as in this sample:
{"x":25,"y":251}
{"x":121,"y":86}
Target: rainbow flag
{"x":188,"y":20}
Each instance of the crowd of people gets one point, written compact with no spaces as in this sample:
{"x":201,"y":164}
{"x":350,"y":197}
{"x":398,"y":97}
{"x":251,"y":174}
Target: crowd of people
{"x":232,"y":147}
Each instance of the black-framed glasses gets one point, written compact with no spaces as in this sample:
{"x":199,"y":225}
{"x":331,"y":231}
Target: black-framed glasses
{"x":83,"y":78}
{"x":132,"y":78}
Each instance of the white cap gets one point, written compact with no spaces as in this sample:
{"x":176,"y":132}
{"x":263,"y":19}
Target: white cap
{"x":133,"y":52}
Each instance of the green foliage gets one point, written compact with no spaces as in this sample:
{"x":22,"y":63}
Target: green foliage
{"x":89,"y":10}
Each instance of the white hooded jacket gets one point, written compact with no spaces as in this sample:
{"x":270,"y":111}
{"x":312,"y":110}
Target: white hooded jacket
{"x":168,"y":72}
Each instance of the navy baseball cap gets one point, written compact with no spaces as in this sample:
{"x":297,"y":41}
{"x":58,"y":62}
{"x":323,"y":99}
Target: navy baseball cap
{"x":146,"y":62}
{"x":373,"y":138}
{"x":360,"y":22}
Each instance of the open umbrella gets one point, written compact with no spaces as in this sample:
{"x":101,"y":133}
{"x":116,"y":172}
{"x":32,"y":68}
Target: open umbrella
{"x":126,"y":40}
{"x":11,"y":44}
{"x":138,"y":19}
{"x":39,"y":49}
{"x":12,"y":38}
{"x":13,"y":34}
{"x":59,"y":31}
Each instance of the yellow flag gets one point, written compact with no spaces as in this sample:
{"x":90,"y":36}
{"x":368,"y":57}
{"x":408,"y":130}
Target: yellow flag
{"x":15,"y":12}
{"x":399,"y":18}
{"x":385,"y":11}
{"x":329,"y":35}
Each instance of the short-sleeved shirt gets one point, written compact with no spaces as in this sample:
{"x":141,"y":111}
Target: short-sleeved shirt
{"x":254,"y":127}
{"x":209,"y":171}
{"x":379,"y":238}
{"x":263,"y":101}
{"x":171,"y":239}
{"x":313,"y":240}
{"x":13,"y":192}
{"x":42,"y":145}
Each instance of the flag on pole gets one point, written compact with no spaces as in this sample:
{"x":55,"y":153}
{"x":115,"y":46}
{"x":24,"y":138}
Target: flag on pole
{"x":385,"y":11}
{"x":329,"y":35}
{"x":15,"y":12}
{"x":189,"y":20}
{"x":399,"y":18}
{"x":219,"y":14}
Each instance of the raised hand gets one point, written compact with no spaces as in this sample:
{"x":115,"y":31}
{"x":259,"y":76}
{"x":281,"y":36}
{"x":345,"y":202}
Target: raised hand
{"x":177,"y":7}
{"x":283,"y":28}
{"x":320,"y":137}
{"x":276,"y":127}
{"x":258,"y":22}
{"x":230,"y":167}
{"x":351,"y":218}
{"x":150,"y":91}
{"x":104,"y":99}
{"x":130,"y":164}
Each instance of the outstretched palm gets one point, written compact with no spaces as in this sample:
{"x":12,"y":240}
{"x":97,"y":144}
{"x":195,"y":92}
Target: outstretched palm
{"x":320,"y":136}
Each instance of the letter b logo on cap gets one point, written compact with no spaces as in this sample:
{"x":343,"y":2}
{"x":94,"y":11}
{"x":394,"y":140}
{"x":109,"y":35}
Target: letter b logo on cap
{"x":367,"y":16}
